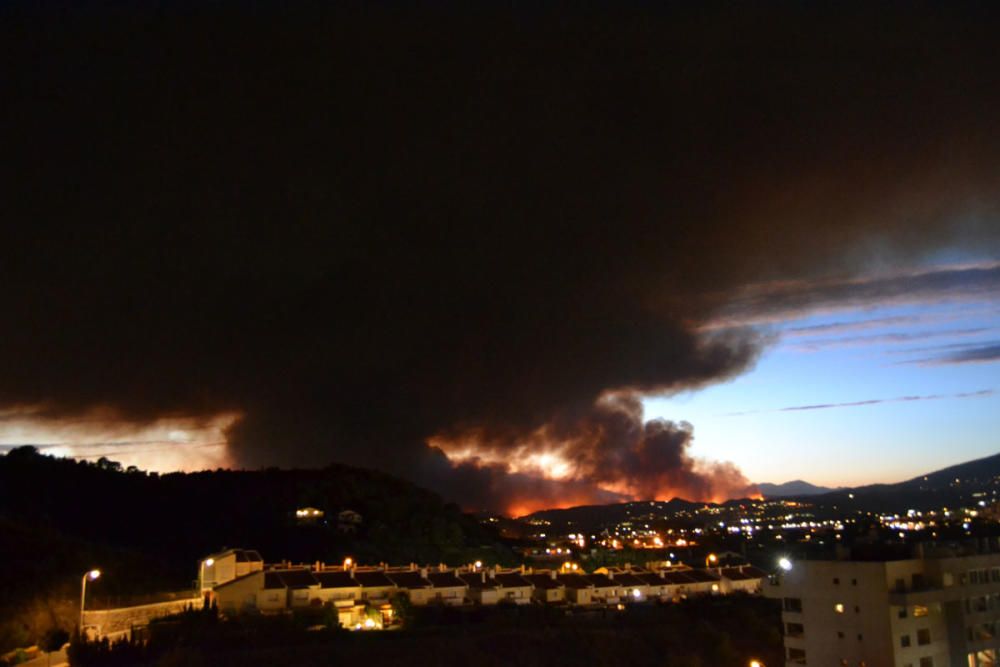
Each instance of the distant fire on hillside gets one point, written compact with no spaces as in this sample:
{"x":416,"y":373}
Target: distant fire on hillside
{"x":606,"y":454}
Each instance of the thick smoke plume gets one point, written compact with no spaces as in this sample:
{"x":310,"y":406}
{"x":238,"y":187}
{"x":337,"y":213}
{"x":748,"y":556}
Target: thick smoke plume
{"x":363,"y":231}
{"x":606,"y":451}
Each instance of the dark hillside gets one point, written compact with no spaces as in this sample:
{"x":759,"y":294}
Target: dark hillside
{"x":60,"y":517}
{"x":965,"y":484}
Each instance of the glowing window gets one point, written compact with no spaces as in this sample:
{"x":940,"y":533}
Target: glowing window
{"x":919,"y":610}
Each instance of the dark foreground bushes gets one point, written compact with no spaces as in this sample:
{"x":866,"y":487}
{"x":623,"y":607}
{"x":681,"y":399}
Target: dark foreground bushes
{"x":716,"y":632}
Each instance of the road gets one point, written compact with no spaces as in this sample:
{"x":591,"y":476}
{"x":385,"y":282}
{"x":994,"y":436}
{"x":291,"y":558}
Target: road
{"x":58,"y":659}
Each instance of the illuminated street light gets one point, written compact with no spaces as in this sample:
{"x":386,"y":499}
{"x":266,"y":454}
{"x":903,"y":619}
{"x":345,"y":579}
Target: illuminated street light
{"x":478,"y":564}
{"x":756,"y":663}
{"x":348,"y":562}
{"x":208,"y":562}
{"x":785,"y":564}
{"x":92,"y":575}
{"x":711,"y":559}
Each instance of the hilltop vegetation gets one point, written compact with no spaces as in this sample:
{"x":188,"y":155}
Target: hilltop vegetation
{"x":61,"y":517}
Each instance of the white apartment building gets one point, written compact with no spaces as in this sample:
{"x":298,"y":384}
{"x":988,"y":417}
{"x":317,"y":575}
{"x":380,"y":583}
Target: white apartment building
{"x":936,"y":610}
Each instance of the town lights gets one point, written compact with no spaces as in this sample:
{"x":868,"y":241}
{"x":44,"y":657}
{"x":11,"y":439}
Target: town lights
{"x":92,"y":575}
{"x":756,"y":663}
{"x":711,"y":559}
{"x":636,"y":593}
{"x":785,"y":564}
{"x":348,"y":562}
{"x":478,"y":564}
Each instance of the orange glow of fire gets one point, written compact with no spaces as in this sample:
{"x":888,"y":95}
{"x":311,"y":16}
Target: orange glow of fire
{"x":161,"y":444}
{"x":525,"y":506}
{"x":535,"y":457}
{"x":540,"y":456}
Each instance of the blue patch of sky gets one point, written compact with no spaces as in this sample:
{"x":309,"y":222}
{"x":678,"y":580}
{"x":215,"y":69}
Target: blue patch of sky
{"x":862,"y":354}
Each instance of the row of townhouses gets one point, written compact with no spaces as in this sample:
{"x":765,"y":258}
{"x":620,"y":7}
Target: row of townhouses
{"x":239,"y":581}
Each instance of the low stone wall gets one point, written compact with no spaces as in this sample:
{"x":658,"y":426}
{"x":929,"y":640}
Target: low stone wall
{"x":116,"y":623}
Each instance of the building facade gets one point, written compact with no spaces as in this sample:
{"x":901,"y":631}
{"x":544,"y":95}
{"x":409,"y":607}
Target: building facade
{"x":936,"y":610}
{"x":240,"y":583}
{"x":226,"y":566}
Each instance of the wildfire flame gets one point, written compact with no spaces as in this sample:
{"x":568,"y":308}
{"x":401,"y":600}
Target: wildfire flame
{"x":608,"y":454}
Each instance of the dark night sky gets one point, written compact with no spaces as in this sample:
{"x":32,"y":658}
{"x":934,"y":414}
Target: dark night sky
{"x":362,"y":227}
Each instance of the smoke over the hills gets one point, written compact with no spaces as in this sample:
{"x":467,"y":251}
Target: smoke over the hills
{"x":367,"y":232}
{"x":605,"y":452}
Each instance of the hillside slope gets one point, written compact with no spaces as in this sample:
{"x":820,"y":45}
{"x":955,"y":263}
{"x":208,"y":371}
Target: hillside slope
{"x":795,"y":487}
{"x":963,"y":484}
{"x":60,"y":517}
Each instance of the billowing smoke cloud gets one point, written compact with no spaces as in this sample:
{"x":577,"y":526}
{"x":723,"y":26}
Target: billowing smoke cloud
{"x":168,"y":442}
{"x":608,"y":448}
{"x":365,"y":231}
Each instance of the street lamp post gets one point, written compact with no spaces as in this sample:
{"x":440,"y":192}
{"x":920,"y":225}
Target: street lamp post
{"x":710,"y":560}
{"x":208,"y":562}
{"x":92,"y":575}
